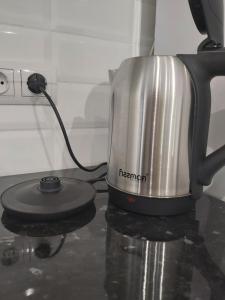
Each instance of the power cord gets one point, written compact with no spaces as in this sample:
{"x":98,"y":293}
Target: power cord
{"x":37,"y":85}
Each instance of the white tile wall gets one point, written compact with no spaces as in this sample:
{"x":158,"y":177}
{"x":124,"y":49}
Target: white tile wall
{"x":111,"y":20}
{"x":84,"y":59}
{"x":26,"y":13}
{"x":23,"y":45}
{"x":176,"y":33}
{"x":24,"y":150}
{"x":81,"y":40}
{"x":90,"y":146}
{"x":15,"y":117}
{"x":77,"y":104}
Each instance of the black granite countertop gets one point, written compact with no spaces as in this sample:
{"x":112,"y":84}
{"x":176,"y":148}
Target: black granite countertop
{"x":107,"y":253}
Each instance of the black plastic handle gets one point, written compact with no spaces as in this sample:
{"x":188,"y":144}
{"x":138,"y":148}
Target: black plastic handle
{"x":203,"y":67}
{"x":209,"y":19}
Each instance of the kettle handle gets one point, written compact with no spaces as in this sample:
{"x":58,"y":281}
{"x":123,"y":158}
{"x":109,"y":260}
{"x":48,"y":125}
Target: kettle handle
{"x":203,"y":67}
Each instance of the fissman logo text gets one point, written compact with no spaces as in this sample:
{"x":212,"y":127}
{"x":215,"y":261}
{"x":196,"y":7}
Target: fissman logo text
{"x":132,"y":176}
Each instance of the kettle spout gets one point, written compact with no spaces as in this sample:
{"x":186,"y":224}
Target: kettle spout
{"x":112,"y":74}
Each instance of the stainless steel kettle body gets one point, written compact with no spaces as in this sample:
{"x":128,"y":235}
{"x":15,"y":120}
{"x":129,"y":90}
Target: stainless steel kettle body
{"x":149,"y":130}
{"x":160,"y":112}
{"x":151,"y":104}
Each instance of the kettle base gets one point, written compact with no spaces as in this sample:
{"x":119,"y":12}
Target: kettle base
{"x":151,"y":206}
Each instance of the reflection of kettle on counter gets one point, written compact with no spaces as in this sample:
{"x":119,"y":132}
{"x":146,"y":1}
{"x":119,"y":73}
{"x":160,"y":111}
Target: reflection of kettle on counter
{"x":157,"y":258}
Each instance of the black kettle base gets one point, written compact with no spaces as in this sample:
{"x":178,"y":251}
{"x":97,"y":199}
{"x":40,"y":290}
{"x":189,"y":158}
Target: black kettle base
{"x":151,"y":206}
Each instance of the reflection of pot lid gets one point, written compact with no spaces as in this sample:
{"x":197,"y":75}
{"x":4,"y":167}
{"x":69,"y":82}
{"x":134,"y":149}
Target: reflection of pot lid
{"x":47,"y":199}
{"x":152,"y":228}
{"x":53,"y":228}
{"x":209,"y":18}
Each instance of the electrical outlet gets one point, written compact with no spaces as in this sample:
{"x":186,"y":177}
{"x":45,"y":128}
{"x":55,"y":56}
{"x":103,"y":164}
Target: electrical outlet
{"x":25,"y":92}
{"x":13,"y":85}
{"x":7,"y":82}
{"x":37,"y":99}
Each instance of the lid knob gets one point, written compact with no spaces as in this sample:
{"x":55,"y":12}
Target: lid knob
{"x":50,"y":184}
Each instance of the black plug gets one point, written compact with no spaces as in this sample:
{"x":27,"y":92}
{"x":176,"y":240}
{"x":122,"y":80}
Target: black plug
{"x":36,"y":83}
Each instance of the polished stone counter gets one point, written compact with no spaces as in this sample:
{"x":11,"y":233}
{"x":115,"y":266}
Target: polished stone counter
{"x":107,"y":253}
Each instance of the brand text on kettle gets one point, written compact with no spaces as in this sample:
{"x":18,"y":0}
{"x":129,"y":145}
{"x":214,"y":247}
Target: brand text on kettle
{"x":132,"y":176}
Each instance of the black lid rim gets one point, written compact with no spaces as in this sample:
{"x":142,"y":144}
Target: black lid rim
{"x":43,"y":210}
{"x":47,"y":217}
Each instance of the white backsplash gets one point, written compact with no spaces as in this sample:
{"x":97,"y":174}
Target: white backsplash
{"x":176,"y":33}
{"x":81,"y":40}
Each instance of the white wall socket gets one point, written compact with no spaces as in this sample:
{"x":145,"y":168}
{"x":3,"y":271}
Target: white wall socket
{"x":7,"y":82}
{"x":14,"y":90}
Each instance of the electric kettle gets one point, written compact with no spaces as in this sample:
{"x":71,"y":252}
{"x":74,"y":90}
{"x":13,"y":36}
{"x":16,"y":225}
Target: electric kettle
{"x":160,"y":113}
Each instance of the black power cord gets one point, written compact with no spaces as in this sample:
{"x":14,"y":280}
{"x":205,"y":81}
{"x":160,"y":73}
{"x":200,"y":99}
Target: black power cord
{"x":37,"y":85}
